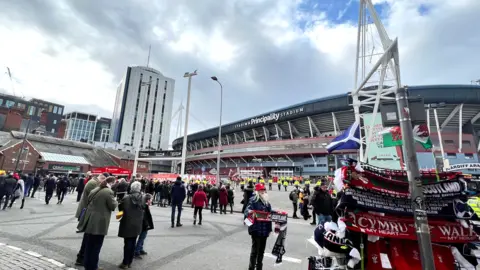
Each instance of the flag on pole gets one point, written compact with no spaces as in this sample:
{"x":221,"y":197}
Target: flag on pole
{"x":393,"y":136}
{"x":348,"y":140}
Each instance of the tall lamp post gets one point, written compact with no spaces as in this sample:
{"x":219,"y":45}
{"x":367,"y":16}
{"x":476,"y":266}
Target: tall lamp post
{"x":137,"y":146}
{"x":219,"y":128}
{"x":188,"y":75}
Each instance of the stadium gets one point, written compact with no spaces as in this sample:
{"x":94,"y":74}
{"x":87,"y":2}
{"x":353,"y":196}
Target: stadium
{"x":292,"y":141}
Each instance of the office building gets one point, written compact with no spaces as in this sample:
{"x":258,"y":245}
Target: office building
{"x":15,"y":113}
{"x":143,"y":109}
{"x":80,"y":126}
{"x":102,"y":130}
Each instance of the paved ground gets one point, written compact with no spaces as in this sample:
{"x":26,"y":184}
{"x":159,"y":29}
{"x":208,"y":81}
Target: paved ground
{"x":222,"y":242}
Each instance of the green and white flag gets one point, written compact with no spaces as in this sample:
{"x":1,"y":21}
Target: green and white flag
{"x":393,"y":136}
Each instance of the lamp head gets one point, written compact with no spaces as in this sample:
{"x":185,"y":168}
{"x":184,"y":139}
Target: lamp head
{"x":214,"y":78}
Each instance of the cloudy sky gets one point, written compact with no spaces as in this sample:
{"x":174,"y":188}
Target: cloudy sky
{"x":267,"y":53}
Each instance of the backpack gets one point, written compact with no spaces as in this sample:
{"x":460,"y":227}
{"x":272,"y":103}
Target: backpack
{"x":291,"y":196}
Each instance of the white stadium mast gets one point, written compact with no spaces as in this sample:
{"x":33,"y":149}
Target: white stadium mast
{"x":377,"y":69}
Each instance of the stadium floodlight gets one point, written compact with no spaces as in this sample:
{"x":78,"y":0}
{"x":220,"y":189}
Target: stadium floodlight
{"x":185,"y":131}
{"x":219,"y":128}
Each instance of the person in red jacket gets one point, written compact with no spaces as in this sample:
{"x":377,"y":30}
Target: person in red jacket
{"x":199,"y":200}
{"x":223,"y":200}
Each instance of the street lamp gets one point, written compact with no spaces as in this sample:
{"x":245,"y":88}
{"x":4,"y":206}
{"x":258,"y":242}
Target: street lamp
{"x":137,"y":132}
{"x":185,"y":131}
{"x":219,"y":128}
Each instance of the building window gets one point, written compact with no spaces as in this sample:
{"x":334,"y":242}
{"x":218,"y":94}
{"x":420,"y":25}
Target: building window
{"x":50,"y":108}
{"x":55,"y":109}
{"x":10,"y":103}
{"x":54,"y":122}
{"x":468,"y":156}
{"x":39,"y":112}
{"x":451,"y":155}
{"x":53,"y":130}
{"x":466,"y":143}
{"x":31,"y":110}
{"x":1,"y":101}
{"x":60,"y":110}
{"x":449,"y":142}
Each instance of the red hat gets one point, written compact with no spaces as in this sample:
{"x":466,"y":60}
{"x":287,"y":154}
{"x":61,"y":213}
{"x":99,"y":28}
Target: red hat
{"x":259,"y":187}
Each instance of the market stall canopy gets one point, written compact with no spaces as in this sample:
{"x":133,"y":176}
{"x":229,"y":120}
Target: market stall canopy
{"x":52,"y":157}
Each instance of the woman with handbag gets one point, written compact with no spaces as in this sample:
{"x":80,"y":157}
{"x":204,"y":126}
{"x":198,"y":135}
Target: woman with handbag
{"x":95,"y":220}
{"x":131,"y":222}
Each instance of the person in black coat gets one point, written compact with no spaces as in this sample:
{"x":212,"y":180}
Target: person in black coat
{"x":131,"y":222}
{"x":247,"y":194}
{"x":80,"y":187}
{"x":231,"y":197}
{"x":49,"y":188}
{"x":62,"y":188}
{"x":2,"y":188}
{"x":178,"y":194}
{"x":9,"y":187}
{"x":121,"y":189}
{"x":146,"y":226}
{"x":29,"y":184}
{"x":36,"y":184}
{"x":214,"y":196}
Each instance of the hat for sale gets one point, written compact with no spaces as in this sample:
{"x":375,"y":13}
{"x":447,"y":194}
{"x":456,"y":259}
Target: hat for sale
{"x":259,"y":187}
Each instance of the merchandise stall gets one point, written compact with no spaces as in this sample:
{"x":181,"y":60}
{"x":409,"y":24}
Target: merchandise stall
{"x":374,"y":224}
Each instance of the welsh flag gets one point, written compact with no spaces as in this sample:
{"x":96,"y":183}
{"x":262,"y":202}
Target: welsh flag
{"x":393,"y":136}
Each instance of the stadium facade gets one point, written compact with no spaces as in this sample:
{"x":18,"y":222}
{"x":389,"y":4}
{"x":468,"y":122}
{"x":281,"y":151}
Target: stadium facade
{"x":293,"y":140}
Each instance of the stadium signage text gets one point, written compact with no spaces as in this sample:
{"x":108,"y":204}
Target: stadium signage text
{"x":273,"y":117}
{"x":464,"y":166}
{"x":159,"y":154}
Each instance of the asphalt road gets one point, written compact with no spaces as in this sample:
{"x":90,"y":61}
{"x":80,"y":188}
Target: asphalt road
{"x":222,"y":242}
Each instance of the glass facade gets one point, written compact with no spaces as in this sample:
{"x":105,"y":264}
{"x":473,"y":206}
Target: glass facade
{"x":80,"y":127}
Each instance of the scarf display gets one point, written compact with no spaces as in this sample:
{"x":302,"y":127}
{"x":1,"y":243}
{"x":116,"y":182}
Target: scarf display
{"x":375,"y":205}
{"x":366,"y":200}
{"x":280,"y":220}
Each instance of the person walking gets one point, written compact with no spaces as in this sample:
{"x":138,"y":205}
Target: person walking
{"x":131,"y":222}
{"x":199,"y":200}
{"x":36,"y":184}
{"x":231,"y":198}
{"x":294,"y":198}
{"x":18,"y":193}
{"x":93,"y":183}
{"x":223,"y":199}
{"x":260,"y":230}
{"x":29,"y":185}
{"x":122,"y":187}
{"x":80,"y":187}
{"x":95,"y":221}
{"x":147,"y":225}
{"x":178,"y":196}
{"x":8,"y":189}
{"x":62,"y":188}
{"x":49,"y":187}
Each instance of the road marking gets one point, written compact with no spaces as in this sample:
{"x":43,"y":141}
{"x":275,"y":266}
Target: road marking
{"x":34,"y":254}
{"x":14,"y":248}
{"x":284,"y":258}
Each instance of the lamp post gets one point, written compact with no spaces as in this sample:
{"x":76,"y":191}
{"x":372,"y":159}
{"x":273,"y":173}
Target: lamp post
{"x":185,"y":131}
{"x":219,"y":128}
{"x":137,"y":132}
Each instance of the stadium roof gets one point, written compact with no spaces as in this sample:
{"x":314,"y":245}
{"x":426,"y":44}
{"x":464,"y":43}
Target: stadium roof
{"x":431,"y":94}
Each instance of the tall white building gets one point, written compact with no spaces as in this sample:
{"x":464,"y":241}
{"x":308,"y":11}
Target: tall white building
{"x":143,"y":109}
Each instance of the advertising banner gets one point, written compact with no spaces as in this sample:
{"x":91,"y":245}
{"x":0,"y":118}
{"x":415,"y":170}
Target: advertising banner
{"x":159,"y":154}
{"x":404,"y":228}
{"x":378,"y":155}
{"x":165,"y":176}
{"x":66,"y":168}
{"x":464,"y":166}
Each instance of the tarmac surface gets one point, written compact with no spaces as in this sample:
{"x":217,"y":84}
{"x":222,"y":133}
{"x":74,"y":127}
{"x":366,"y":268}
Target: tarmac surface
{"x":43,"y":237}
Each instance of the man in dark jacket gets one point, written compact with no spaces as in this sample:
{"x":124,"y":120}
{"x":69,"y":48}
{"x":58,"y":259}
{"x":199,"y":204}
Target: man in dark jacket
{"x":214,"y":195}
{"x":121,"y":189}
{"x":231,"y":197}
{"x":62,"y":188}
{"x":178,"y":194}
{"x":80,"y":187}
{"x":36,"y":184}
{"x":322,"y":205}
{"x":10,"y":184}
{"x":49,"y":188}
{"x":247,"y":194}
{"x":29,"y":184}
{"x":2,"y":189}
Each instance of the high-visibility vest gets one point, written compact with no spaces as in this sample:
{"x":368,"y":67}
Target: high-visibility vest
{"x":307,"y":182}
{"x":296,"y":183}
{"x":242,"y":183}
{"x":285,"y":183}
{"x":319,"y":183}
{"x":262,"y":181}
{"x":270,"y":181}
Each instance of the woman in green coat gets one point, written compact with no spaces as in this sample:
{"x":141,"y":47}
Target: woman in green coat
{"x":96,"y":220}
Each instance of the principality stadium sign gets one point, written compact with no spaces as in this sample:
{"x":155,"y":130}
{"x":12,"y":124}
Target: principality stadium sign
{"x":272,"y":117}
{"x":464,"y":166}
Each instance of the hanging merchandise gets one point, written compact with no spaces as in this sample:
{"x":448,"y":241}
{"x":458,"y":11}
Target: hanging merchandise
{"x":280,"y":221}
